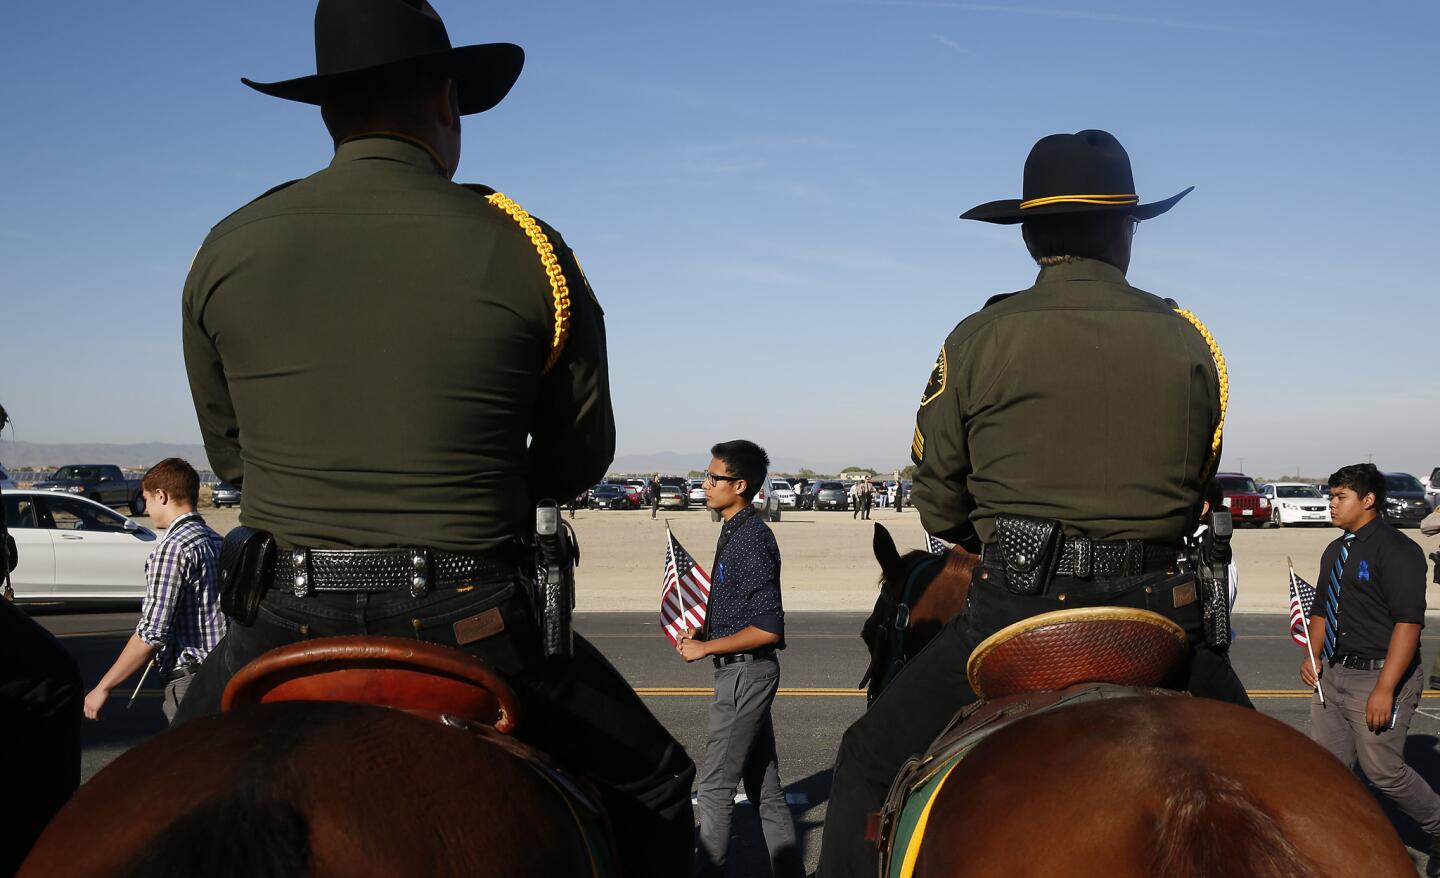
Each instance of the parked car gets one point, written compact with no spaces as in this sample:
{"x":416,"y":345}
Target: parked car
{"x":225,"y":494}
{"x":1296,"y":503}
{"x":101,"y":482}
{"x":71,"y":547}
{"x":1432,"y":489}
{"x":672,"y":497}
{"x":783,"y":492}
{"x":642,"y":486}
{"x":697,"y":492}
{"x":607,"y":496}
{"x":1404,"y":499}
{"x":6,"y":483}
{"x":805,"y":494}
{"x":832,"y":495}
{"x":1248,"y":507}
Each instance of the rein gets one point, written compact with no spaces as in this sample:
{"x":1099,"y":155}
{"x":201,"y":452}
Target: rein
{"x":892,"y":636}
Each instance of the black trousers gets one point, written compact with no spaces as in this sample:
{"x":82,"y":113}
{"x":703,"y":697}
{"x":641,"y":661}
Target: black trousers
{"x":913,"y":710}
{"x":580,"y":710}
{"x":40,"y":713}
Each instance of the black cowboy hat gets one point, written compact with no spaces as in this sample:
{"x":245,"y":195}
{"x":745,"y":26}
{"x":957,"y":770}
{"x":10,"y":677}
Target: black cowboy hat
{"x":1087,"y":172}
{"x":356,"y":38}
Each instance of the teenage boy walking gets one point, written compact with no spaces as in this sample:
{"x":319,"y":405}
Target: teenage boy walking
{"x":1365,"y":630}
{"x":180,"y":620}
{"x":744,"y":627}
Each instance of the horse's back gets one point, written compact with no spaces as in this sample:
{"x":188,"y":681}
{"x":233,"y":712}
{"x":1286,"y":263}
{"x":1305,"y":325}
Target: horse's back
{"x":314,"y":789}
{"x":1156,"y":785}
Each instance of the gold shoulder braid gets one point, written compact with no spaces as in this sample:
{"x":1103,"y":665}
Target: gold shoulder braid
{"x":558,"y":288}
{"x":1224,"y":376}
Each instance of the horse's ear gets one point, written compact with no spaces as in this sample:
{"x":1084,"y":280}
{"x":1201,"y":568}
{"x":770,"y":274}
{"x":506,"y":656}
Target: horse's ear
{"x":886,"y":553}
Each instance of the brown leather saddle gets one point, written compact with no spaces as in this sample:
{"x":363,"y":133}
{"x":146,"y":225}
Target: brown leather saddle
{"x":426,"y":679}
{"x":1037,"y":665}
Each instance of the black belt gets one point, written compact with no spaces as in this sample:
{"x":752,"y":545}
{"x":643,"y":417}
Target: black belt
{"x":180,"y":672}
{"x":1356,"y":663}
{"x":1084,"y":557}
{"x":377,"y":570}
{"x":723,"y":660}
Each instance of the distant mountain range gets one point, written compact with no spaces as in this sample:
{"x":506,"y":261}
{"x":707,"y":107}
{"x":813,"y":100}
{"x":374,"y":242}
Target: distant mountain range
{"x":140,"y":455}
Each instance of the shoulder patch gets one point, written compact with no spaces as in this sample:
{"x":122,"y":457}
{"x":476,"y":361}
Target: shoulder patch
{"x":936,"y":385}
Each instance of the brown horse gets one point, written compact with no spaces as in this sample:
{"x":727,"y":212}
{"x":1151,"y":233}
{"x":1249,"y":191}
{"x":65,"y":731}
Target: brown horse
{"x":1144,"y":785}
{"x":325,"y":788}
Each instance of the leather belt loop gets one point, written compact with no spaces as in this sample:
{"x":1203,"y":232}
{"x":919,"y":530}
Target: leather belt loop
{"x":300,"y":563}
{"x":1134,"y":557}
{"x":1084,"y":557}
{"x":419,"y":572}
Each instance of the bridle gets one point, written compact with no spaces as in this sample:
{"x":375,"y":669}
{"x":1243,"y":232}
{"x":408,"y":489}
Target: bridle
{"x":891,"y":636}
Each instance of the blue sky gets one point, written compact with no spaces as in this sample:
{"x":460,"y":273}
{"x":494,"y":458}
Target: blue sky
{"x":764,"y":196}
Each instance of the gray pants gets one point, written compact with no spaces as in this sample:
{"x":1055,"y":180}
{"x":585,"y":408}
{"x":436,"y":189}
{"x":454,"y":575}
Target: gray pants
{"x":1339,"y":727}
{"x":174,"y":692}
{"x":740,"y":748}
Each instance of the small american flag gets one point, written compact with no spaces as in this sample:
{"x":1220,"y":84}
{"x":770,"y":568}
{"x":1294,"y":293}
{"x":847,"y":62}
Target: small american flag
{"x":935,"y":545}
{"x":1302,"y":598}
{"x":684,"y":592}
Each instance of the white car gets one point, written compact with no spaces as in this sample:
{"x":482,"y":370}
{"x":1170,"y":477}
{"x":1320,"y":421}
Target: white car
{"x":1296,"y":503}
{"x":70,"y":547}
{"x":783,"y":492}
{"x":697,"y":492}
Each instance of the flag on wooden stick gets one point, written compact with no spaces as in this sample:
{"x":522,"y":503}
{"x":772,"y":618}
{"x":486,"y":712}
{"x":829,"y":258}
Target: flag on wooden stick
{"x":684,"y":591}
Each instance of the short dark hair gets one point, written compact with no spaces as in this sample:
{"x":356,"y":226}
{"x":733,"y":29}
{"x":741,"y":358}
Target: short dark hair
{"x":394,"y":101}
{"x":176,"y":477}
{"x":1362,"y":478}
{"x":744,"y":459}
{"x":1061,"y":237}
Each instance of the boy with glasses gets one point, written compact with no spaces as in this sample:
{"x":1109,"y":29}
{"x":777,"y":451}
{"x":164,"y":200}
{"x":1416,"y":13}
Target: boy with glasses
{"x":744,"y":627}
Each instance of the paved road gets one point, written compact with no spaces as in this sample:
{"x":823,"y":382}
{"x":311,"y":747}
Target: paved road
{"x":817,"y":698}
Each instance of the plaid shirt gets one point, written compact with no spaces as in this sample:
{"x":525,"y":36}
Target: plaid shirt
{"x":181,"y":615}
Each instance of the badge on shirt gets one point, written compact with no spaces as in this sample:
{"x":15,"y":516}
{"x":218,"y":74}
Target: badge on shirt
{"x":936,"y":385}
{"x":1364,"y":573}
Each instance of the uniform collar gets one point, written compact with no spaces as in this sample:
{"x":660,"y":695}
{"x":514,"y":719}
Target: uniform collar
{"x":390,"y":146}
{"x":1081,"y":270}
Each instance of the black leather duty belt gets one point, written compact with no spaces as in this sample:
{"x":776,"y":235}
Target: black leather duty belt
{"x":1356,"y":663}
{"x":723,"y":660}
{"x":1086,"y":558}
{"x":378,"y":570}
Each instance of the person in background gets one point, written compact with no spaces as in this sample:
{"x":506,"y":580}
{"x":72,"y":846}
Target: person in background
{"x":654,"y":495}
{"x":40,"y":700}
{"x":180,"y":619}
{"x":744,"y":627}
{"x":1365,"y":634}
{"x":1430,"y":526}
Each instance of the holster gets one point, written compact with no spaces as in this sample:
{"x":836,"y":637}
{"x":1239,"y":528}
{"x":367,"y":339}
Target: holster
{"x":1212,"y":575}
{"x":1030,"y":548}
{"x":247,"y":564}
{"x":557,"y":553}
{"x":1435,"y":577}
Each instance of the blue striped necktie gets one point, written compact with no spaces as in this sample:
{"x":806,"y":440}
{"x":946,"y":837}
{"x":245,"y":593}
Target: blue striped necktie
{"x":1332,"y":597}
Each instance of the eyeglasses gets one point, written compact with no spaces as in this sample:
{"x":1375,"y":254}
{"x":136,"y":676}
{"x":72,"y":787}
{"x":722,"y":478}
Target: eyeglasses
{"x":716,"y":478}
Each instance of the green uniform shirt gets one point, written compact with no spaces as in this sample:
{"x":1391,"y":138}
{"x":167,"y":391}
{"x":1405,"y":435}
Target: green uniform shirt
{"x":365,"y":349}
{"x":1082,"y":399}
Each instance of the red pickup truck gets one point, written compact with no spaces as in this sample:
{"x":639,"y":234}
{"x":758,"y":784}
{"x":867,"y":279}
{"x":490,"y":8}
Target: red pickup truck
{"x":1248,"y":507}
